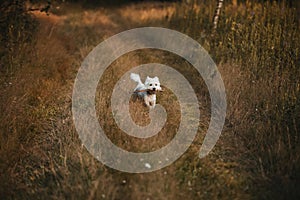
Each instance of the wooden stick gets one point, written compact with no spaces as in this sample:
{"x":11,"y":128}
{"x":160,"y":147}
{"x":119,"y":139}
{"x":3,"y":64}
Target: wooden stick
{"x":136,"y":91}
{"x":146,"y":90}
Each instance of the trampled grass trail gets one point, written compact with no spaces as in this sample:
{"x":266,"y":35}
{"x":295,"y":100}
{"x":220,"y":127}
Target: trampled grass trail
{"x":42,"y":156}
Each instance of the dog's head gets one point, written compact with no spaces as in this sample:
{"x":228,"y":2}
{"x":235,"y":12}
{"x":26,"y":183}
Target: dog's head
{"x":152,"y":84}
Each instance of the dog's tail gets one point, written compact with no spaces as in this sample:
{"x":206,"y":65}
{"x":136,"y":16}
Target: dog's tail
{"x":136,"y":78}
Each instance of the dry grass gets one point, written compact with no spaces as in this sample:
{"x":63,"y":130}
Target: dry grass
{"x":147,"y":12}
{"x":257,"y":45}
{"x":257,"y":155}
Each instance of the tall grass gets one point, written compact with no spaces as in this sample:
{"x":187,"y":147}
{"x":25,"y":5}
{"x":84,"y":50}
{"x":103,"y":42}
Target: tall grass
{"x":260,"y":44}
{"x":256,"y":47}
{"x":16,"y":28}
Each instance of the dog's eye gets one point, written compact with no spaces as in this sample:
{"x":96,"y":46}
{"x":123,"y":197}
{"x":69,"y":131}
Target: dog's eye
{"x":151,"y":84}
{"x":155,"y":84}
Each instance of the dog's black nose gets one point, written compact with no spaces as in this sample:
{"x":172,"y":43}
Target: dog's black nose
{"x":154,"y":89}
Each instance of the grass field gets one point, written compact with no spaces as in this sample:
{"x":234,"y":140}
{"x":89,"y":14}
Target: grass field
{"x":256,"y":48}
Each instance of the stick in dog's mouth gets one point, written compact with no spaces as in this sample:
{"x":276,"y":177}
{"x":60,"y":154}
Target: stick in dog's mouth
{"x":148,"y":91}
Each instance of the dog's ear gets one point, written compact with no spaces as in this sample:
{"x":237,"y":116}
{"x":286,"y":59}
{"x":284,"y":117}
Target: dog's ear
{"x":147,"y":79}
{"x":156,"y":79}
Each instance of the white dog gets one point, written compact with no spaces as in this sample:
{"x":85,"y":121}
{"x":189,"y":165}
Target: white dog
{"x":147,"y":90}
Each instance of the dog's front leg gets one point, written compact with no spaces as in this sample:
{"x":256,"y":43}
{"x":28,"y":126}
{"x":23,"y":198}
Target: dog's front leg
{"x":152,"y":104}
{"x":147,"y":102}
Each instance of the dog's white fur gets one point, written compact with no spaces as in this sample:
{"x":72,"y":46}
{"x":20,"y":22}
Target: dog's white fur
{"x":147,"y":90}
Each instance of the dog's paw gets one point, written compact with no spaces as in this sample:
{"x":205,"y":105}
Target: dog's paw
{"x":151,"y":105}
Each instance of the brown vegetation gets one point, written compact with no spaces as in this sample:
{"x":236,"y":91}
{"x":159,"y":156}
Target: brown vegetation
{"x":257,"y":50}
